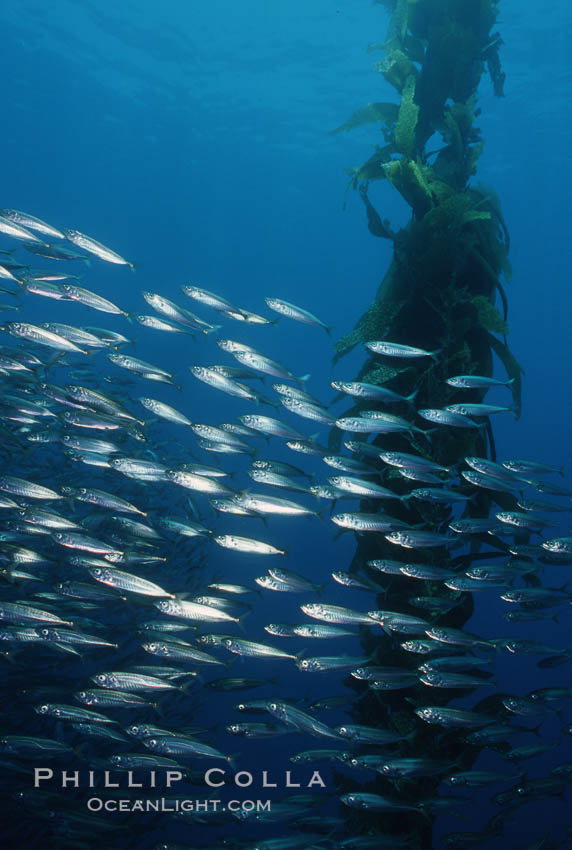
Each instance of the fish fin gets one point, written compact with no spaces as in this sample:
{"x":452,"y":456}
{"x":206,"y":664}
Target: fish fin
{"x":240,"y":621}
{"x":435,"y":354}
{"x":328,"y":329}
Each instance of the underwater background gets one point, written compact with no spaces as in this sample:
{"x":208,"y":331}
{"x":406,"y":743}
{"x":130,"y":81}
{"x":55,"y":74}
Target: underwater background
{"x":195,"y":140}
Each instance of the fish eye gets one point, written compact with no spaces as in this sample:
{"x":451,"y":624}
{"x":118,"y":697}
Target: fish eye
{"x":100,"y":677}
{"x":241,"y":706}
{"x":273,"y":706}
{"x":343,"y":730}
{"x":152,"y":742}
{"x":82,"y":694}
{"x":43,"y":708}
{"x":97,"y":571}
{"x":152,"y":647}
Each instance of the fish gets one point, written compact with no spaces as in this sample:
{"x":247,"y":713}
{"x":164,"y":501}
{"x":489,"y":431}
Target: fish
{"x":274,"y":479}
{"x":141,"y":368}
{"x":447,"y":417}
{"x":336,"y":614}
{"x":126,"y":581}
{"x":91,"y":299}
{"x":291,"y":311}
{"x":227,"y":385}
{"x":291,"y":715}
{"x":41,"y":336}
{"x":183,"y":747}
{"x":329,"y":663}
{"x":193,"y":611}
{"x":9,"y":228}
{"x":246,"y":545}
{"x":375,"y":803}
{"x":477,"y":382}
{"x":316,"y":413}
{"x":157,"y":324}
{"x":270,"y":427}
{"x":452,"y":718}
{"x":412,"y":538}
{"x":376,"y":392}
{"x":32,"y":223}
{"x":394,"y":349}
{"x":208,"y":298}
{"x":93,"y":247}
{"x":477,"y":409}
{"x":109,"y":570}
{"x":360,"y":488}
{"x":173,"y":312}
{"x":248,"y":356}
{"x":252,"y":649}
{"x":164,"y":411}
{"x":55,"y":252}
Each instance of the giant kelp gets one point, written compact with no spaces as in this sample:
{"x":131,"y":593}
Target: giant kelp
{"x":440,"y":288}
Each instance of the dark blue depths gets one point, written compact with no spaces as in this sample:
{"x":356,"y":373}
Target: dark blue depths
{"x":195,"y":142}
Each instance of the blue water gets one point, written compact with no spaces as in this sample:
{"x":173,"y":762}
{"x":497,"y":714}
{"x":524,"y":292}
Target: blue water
{"x":193,"y":138}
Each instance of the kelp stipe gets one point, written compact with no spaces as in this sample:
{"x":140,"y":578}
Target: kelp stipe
{"x":438,"y":293}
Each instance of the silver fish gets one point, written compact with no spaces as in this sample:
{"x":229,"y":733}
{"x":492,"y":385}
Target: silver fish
{"x":32,"y":223}
{"x":91,"y":299}
{"x":247,"y":545}
{"x":394,"y":349}
{"x":164,"y":411}
{"x":477,"y":382}
{"x":94,"y":247}
{"x":291,"y":311}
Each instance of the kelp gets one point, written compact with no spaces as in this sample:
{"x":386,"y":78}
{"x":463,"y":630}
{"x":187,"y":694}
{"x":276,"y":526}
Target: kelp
{"x":373,"y":169}
{"x":488,"y":316}
{"x":371,"y":113}
{"x":407,"y":119}
{"x":374,"y":324}
{"x":513,"y":369}
{"x":438,"y":292}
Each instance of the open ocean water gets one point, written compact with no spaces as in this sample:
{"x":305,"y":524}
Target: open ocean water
{"x":194,"y":139}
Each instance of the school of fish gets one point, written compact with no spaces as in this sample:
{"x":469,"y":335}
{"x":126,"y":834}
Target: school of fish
{"x":112,"y":629}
